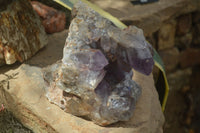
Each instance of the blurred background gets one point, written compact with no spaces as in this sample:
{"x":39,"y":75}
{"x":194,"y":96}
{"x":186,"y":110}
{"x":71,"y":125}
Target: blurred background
{"x":173,"y":29}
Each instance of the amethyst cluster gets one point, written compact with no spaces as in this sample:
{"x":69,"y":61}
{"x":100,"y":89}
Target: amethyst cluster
{"x":94,"y":77}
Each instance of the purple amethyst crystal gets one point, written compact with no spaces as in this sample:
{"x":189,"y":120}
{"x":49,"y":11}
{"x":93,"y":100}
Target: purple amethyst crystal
{"x":139,"y":59}
{"x":89,"y":59}
{"x":95,"y":74}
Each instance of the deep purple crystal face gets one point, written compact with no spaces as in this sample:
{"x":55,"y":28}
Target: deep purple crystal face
{"x":118,"y":69}
{"x":132,"y":49}
{"x":139,"y":59}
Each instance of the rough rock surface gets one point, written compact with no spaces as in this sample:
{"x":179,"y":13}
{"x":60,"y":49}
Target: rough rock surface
{"x":166,"y":35}
{"x":150,"y":16}
{"x":196,"y":33}
{"x":179,"y":78}
{"x":171,"y":57}
{"x":52,"y":19}
{"x":185,"y":41}
{"x":189,"y":57}
{"x":94,"y":78}
{"x":184,"y":24}
{"x":24,"y":95}
{"x":21,"y":32}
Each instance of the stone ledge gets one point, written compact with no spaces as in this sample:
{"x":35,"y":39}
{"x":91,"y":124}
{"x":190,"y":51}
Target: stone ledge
{"x":148,"y":17}
{"x":24,"y":96}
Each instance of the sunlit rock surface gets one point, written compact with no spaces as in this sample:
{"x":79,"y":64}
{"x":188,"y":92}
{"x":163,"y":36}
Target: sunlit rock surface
{"x":94,"y":77}
{"x":21,"y":32}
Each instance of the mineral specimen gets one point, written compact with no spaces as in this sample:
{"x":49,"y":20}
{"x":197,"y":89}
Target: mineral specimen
{"x":21,"y":32}
{"x":94,"y":77}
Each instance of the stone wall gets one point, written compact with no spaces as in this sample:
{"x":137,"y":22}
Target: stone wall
{"x":178,"y":43}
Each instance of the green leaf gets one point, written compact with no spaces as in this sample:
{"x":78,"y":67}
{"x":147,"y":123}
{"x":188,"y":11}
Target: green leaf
{"x":66,"y":3}
{"x":162,"y":83}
